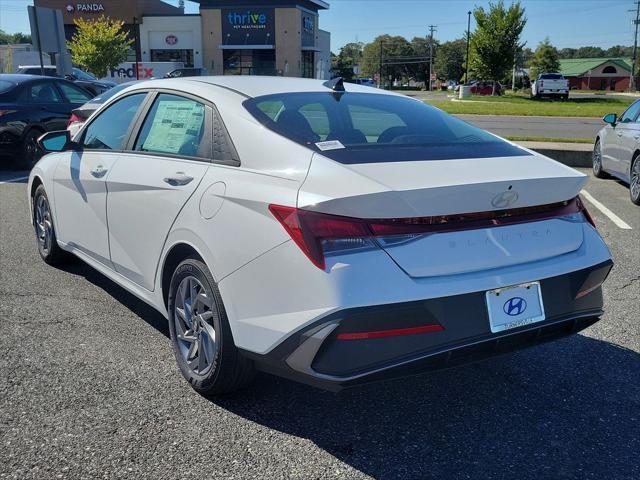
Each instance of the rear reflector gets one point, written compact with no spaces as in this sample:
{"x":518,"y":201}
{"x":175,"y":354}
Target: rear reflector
{"x":318,"y":234}
{"x":396,"y":332}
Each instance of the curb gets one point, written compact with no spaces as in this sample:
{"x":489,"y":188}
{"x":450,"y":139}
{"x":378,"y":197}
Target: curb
{"x":571,"y":155}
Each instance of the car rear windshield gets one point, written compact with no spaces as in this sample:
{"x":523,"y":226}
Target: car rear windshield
{"x":354,"y":127}
{"x":551,"y":76}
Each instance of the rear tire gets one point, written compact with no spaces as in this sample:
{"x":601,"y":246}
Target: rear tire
{"x":596,"y":161}
{"x":634,"y":184}
{"x":200,"y":333}
{"x":45,"y":231}
{"x":30,"y":149}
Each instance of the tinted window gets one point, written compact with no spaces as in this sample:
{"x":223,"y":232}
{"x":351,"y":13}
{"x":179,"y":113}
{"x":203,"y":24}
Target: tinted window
{"x":74,"y":94}
{"x":5,"y":86}
{"x":108,"y":130}
{"x":631,"y":113}
{"x":374,"y":127}
{"x":43,"y":92}
{"x":80,"y":75}
{"x":551,"y":76}
{"x":174,"y":125}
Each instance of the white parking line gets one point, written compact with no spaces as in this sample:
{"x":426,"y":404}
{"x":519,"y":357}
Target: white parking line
{"x":16,"y":179}
{"x":612,"y":216}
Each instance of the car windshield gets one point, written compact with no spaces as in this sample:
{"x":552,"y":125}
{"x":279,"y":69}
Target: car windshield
{"x":6,"y":86}
{"x":81,"y":75}
{"x":354,"y":127}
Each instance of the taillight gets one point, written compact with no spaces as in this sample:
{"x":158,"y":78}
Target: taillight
{"x":320,"y":234}
{"x":541,"y":84}
{"x":584,"y":211}
{"x":74,"y":119}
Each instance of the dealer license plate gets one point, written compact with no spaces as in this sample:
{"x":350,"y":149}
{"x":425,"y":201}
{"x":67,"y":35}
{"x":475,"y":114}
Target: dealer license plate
{"x":516,"y":306}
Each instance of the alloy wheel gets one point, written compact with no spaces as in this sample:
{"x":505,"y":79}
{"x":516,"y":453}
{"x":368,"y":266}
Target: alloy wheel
{"x":634,"y":185}
{"x":597,"y":159}
{"x":43,"y":224}
{"x":194,"y":311}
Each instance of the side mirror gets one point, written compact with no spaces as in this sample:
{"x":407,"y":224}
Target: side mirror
{"x":610,"y":118}
{"x":55,"y":141}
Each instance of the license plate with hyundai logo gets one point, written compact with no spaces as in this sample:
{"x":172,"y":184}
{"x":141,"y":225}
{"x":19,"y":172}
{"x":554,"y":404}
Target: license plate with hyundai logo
{"x":513,"y":307}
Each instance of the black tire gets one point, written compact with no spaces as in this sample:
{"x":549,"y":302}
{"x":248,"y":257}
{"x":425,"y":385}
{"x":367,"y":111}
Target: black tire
{"x":30,"y":150}
{"x":634,"y":180}
{"x":45,"y":231}
{"x":227,"y":370}
{"x":596,"y":161}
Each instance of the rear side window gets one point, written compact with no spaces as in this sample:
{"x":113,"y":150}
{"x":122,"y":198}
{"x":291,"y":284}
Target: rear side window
{"x":5,"y":86}
{"x":372,"y":127}
{"x":174,"y":125}
{"x":74,"y":94}
{"x":110,"y":127}
{"x":43,"y":92}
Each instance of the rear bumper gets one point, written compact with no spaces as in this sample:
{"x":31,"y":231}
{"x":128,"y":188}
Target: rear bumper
{"x":327,"y":354}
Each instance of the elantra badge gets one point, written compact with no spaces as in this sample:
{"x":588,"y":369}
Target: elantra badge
{"x":505,"y":199}
{"x":514,"y":306}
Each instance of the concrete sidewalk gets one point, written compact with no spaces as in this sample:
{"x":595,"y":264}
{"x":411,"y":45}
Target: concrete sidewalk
{"x":571,"y":154}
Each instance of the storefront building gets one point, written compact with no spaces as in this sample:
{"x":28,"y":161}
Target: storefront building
{"x":264,"y":37}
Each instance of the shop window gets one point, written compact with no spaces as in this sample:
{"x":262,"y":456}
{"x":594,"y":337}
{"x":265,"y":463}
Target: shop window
{"x":249,"y":62}
{"x":173,"y":55}
{"x":307,"y":64}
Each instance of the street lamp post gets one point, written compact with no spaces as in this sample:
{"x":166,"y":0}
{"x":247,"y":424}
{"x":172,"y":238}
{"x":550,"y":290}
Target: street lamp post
{"x":466,"y":63}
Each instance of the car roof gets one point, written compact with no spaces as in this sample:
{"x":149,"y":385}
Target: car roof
{"x":18,"y":78}
{"x":255,"y":86}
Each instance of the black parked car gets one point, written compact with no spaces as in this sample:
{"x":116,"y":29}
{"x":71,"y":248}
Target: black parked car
{"x":79,"y":77}
{"x":30,"y":106}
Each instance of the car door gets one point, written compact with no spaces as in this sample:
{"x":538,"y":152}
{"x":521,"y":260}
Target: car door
{"x":80,"y":179}
{"x":48,"y":107}
{"x":153,"y":180}
{"x":623,"y":141}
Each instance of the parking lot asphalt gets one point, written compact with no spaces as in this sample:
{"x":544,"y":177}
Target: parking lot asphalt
{"x":555,"y":127}
{"x":89,"y":388}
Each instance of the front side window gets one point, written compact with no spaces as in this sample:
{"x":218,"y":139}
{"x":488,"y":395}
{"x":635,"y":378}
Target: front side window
{"x":109,"y":129}
{"x":74,"y":94}
{"x":44,"y":92}
{"x":372,"y":127}
{"x":174,"y":125}
{"x":631,"y":113}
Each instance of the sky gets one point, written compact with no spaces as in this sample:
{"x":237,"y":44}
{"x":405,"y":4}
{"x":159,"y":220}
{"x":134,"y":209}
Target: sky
{"x":567,"y":23}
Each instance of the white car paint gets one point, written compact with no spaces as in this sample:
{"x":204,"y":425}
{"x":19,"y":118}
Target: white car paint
{"x":126,"y":222}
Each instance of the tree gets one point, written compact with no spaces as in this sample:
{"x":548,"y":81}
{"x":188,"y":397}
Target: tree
{"x":350,"y":55}
{"x":396,"y":46}
{"x":496,"y":40}
{"x":619,"y":51}
{"x":589,"y":52}
{"x":21,"y":38}
{"x":545,"y":59}
{"x":99,"y":45}
{"x":449,"y":60}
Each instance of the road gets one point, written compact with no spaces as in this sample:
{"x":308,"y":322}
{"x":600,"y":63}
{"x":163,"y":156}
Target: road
{"x":564,"y":127}
{"x":89,"y":389}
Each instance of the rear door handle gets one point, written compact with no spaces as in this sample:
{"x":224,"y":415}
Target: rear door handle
{"x":99,"y":171}
{"x":179,"y":179}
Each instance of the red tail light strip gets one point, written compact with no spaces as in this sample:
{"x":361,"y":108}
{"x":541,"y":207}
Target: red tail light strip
{"x":308,"y":228}
{"x":396,"y":332}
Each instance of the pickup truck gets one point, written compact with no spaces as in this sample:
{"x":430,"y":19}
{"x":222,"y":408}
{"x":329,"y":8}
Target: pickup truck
{"x":550,"y":85}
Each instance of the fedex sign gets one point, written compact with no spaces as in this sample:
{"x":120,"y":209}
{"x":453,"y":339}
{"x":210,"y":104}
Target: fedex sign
{"x":126,"y":72}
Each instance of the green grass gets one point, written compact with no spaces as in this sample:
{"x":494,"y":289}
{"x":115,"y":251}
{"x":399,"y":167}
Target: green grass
{"x":525,"y":138}
{"x":511,"y":104}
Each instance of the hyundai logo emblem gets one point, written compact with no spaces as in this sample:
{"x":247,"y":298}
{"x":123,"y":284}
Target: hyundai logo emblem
{"x":514,"y":306}
{"x":505,"y":199}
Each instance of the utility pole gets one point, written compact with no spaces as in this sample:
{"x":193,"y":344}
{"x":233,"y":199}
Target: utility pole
{"x":632,"y":78}
{"x":380,"y":67}
{"x":432,"y":28}
{"x":466,"y":63}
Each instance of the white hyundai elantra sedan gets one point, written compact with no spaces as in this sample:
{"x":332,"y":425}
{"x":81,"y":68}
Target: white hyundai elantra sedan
{"x":334,"y":234}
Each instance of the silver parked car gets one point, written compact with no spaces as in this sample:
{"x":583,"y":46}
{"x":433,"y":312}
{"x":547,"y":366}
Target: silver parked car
{"x":616,"y":151}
